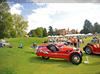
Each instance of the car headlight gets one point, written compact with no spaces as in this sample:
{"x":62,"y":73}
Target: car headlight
{"x":36,"y":50}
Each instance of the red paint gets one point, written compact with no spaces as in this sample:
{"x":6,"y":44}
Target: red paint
{"x":64,"y":52}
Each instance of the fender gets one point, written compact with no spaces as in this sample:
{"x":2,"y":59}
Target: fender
{"x":74,"y":54}
{"x":88,"y":45}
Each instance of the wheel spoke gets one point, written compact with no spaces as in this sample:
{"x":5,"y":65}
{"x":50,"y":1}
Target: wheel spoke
{"x":76,"y":59}
{"x":88,"y":50}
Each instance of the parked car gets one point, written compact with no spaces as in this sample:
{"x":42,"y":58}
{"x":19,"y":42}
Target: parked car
{"x":5,"y":43}
{"x":95,"y":40}
{"x":72,"y":54}
{"x":92,"y":48}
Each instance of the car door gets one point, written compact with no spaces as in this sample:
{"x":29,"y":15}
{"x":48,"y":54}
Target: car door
{"x":96,"y":48}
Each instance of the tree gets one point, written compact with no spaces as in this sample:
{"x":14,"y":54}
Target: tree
{"x":32,"y":33}
{"x":19,"y":25}
{"x":51,"y":32}
{"x":45,"y":32}
{"x":10,"y":25}
{"x":96,"y":27}
{"x":39,"y":32}
{"x":5,"y":19}
{"x":3,"y":6}
{"x":87,"y":28}
{"x":7,"y":23}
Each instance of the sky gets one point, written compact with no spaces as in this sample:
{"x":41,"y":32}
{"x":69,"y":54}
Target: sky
{"x":58,"y":15}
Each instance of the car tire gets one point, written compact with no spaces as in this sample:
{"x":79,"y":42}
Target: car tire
{"x":76,"y":58}
{"x":44,"y":57}
{"x":81,"y":53}
{"x":88,"y":50}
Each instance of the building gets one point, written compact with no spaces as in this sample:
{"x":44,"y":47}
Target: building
{"x":61,"y":32}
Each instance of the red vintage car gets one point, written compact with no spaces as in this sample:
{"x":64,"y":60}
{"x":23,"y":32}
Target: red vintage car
{"x":72,"y":54}
{"x":92,"y":48}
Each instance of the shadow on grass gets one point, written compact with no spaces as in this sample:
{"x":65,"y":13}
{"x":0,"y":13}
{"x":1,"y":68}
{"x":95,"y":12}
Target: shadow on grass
{"x":7,"y":71}
{"x":95,"y":63}
{"x":96,"y":55}
{"x":59,"y":62}
{"x":91,"y":54}
{"x":29,"y":52}
{"x":92,"y":60}
{"x":97,"y":73}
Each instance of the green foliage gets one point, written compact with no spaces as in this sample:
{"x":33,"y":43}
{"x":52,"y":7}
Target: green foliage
{"x":5,"y":20}
{"x":19,"y":25}
{"x":3,"y":6}
{"x":89,"y":28}
{"x":96,"y":27}
{"x":32,"y":33}
{"x":45,"y":34}
{"x":51,"y":32}
{"x":10,"y":25}
{"x":38,"y":32}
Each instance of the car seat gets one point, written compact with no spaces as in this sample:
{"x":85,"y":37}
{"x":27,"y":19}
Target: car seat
{"x":52,"y":47}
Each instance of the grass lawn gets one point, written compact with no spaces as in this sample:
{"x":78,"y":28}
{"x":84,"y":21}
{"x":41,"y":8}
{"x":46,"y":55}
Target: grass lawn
{"x":24,"y":61}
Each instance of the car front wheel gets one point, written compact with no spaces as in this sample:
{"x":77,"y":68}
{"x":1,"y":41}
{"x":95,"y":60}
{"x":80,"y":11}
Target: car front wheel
{"x":76,"y":58}
{"x":44,"y":57}
{"x":88,"y":50}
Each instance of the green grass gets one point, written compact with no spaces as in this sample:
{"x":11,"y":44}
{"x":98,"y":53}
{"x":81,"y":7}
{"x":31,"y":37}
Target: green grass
{"x":24,"y":61}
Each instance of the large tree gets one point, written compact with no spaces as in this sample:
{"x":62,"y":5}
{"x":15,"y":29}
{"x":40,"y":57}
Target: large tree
{"x":4,"y":7}
{"x":38,"y":32}
{"x":87,"y":28}
{"x":45,"y":32}
{"x":5,"y":19}
{"x":51,"y":32}
{"x":32,"y":33}
{"x":10,"y":25}
{"x":96,"y":27}
{"x":19,"y":25}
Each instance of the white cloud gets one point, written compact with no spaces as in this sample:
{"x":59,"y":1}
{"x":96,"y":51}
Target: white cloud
{"x":64,"y":15}
{"x":41,"y":4}
{"x":66,"y":1}
{"x":16,"y":9}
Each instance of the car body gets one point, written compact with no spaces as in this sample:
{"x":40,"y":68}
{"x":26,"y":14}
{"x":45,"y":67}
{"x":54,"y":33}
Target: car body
{"x":69,"y":53}
{"x":4,"y":43}
{"x":92,"y":48}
